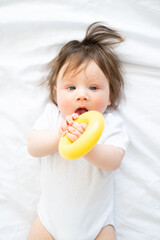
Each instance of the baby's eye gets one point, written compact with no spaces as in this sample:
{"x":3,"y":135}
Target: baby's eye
{"x":71,"y":88}
{"x":93,"y":88}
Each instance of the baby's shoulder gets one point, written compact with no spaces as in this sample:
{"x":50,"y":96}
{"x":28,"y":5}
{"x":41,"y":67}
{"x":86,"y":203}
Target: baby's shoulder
{"x":51,"y":107}
{"x":112,"y":117}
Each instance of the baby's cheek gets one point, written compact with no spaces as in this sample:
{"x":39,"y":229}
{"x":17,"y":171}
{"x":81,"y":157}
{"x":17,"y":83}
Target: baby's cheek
{"x":64,"y":105}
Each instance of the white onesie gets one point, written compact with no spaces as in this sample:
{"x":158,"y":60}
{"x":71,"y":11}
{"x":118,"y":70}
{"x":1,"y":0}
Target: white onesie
{"x":76,"y":197}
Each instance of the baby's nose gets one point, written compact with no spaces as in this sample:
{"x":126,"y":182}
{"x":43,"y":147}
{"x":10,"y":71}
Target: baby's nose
{"x":81,"y":98}
{"x":82,"y":95}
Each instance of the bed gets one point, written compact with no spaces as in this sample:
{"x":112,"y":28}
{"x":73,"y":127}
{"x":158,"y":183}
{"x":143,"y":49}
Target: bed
{"x":31,"y":34}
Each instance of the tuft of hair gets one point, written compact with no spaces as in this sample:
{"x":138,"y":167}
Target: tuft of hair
{"x":97,"y":45}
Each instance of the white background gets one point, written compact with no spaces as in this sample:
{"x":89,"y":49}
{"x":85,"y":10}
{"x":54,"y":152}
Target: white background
{"x":31,"y":33}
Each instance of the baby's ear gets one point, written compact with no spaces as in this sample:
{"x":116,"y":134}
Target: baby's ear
{"x":109,"y":102}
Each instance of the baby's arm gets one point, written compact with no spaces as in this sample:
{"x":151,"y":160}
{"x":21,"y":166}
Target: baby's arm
{"x":43,"y":142}
{"x":103,"y":156}
{"x":106,"y":157}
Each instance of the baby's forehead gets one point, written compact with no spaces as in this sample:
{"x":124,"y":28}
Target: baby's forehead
{"x":73,"y":68}
{"x":87,"y":70}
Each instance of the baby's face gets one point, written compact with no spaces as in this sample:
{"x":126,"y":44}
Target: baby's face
{"x":85,"y":90}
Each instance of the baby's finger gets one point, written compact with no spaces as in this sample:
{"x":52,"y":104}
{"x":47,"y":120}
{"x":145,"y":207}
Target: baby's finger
{"x":78,"y":127}
{"x":61,"y":132}
{"x":69,"y":119}
{"x":64,"y":125}
{"x":72,"y":137}
{"x":74,"y":116}
{"x":74,"y":131}
{"x":84,"y":126}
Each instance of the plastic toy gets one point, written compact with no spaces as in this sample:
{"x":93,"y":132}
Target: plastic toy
{"x":73,"y":150}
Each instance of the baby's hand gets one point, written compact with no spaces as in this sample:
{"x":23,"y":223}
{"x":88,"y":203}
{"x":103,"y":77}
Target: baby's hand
{"x":72,"y":129}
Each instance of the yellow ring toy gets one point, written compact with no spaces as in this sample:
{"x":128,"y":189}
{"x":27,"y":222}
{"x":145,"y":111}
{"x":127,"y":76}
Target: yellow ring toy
{"x":73,"y":150}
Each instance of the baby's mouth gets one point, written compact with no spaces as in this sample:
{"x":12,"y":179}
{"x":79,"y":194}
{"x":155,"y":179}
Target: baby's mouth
{"x":80,"y":111}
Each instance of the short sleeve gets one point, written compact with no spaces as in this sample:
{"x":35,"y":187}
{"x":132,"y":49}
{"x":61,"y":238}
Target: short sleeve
{"x":115,"y":133}
{"x":48,"y":119}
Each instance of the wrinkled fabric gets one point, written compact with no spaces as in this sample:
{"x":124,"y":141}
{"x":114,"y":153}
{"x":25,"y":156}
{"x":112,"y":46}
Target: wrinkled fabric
{"x":31,"y":34}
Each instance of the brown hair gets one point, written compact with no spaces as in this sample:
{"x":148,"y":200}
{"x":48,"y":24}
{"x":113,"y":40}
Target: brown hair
{"x":98,"y":46}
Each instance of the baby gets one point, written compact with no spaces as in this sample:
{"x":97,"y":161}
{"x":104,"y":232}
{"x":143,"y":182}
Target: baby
{"x":76,"y":200}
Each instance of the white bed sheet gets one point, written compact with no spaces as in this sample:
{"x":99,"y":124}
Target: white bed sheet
{"x":31,"y":33}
